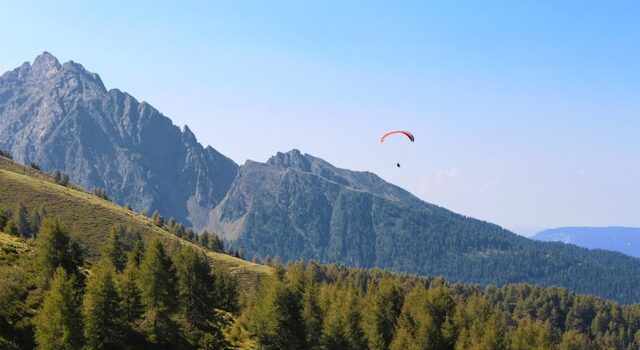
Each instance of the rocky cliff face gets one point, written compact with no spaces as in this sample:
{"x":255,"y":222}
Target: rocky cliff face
{"x":62,"y":117}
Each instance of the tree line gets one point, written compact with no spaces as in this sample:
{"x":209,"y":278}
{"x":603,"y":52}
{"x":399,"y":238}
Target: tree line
{"x":311,"y":306}
{"x":20,"y":222}
{"x":143,"y":295}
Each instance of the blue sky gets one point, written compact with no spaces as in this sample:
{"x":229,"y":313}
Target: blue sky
{"x":526,"y":113}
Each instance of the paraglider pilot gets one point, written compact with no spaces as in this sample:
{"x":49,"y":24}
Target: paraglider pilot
{"x":402,"y":132}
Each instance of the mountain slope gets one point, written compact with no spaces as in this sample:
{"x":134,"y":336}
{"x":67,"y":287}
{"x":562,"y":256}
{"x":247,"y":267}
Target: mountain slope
{"x":295,"y":206}
{"x":300,"y":207}
{"x":92,"y":218}
{"x":619,"y":239}
{"x":62,"y":117}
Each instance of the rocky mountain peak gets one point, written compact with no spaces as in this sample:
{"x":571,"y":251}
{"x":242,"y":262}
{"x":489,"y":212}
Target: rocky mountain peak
{"x":46,"y":60}
{"x":62,"y":117}
{"x":188,"y":136}
{"x":290,"y":160}
{"x":45,"y":65}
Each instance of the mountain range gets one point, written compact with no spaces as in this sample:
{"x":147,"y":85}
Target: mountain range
{"x":619,"y":239}
{"x":294,"y":205}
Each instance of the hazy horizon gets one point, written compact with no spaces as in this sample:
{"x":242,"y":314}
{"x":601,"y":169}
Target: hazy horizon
{"x":525,"y":114}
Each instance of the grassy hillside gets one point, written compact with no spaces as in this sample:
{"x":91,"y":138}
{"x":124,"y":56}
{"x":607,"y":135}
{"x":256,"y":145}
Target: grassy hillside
{"x":91,"y":218}
{"x":12,"y":249}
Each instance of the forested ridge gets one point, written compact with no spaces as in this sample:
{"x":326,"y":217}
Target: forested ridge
{"x":300,"y":207}
{"x":333,"y":307}
{"x":144,"y":296}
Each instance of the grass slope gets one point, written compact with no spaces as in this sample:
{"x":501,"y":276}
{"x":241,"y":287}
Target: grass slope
{"x":91,"y":218}
{"x":12,"y":249}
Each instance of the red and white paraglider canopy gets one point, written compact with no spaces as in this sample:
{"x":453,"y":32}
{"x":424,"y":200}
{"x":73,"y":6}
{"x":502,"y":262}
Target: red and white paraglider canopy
{"x":402,"y":132}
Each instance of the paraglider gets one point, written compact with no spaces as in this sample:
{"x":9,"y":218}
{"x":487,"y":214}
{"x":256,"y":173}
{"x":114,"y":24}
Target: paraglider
{"x":398,"y":132}
{"x":401,"y":132}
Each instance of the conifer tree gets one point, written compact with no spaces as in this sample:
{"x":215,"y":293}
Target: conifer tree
{"x":277,"y":262}
{"x":57,"y":176}
{"x":531,"y":335}
{"x":129,"y":292}
{"x":422,"y":323}
{"x":203,"y":239}
{"x":581,"y":315}
{"x":59,"y":322}
{"x":55,"y":248}
{"x":5,"y":153}
{"x":135,"y":254}
{"x":342,"y":326}
{"x":5,"y":215}
{"x":384,"y":304}
{"x":114,"y":249}
{"x":180,"y":231}
{"x":312,"y":314}
{"x":157,"y":219}
{"x":13,"y":309}
{"x":190,"y":234}
{"x":356,"y":336}
{"x":572,"y":340}
{"x":481,"y":326}
{"x":279,"y":322}
{"x":157,"y":283}
{"x":195,"y":283}
{"x":22,"y":221}
{"x":224,"y":290}
{"x":195,"y":288}
{"x":64,"y":180}
{"x":215,"y":243}
{"x":488,"y":335}
{"x":334,"y":335}
{"x":38,"y":215}
{"x":104,"y":322}
{"x":11,"y":228}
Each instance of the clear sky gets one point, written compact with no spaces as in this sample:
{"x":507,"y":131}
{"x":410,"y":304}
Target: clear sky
{"x":526,"y":113}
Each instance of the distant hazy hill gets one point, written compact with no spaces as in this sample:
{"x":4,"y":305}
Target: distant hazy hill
{"x":620,"y":239}
{"x":62,"y":117}
{"x":295,"y":205}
